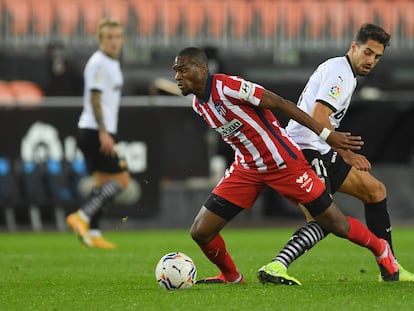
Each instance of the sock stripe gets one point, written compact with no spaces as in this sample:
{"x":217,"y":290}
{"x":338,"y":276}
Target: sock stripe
{"x":100,"y":196}
{"x":301,"y":241}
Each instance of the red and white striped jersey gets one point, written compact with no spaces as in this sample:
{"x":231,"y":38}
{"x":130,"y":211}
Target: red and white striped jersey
{"x":231,"y":108}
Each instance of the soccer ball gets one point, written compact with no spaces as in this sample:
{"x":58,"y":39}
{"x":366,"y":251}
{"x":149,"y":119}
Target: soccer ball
{"x":176,"y":271}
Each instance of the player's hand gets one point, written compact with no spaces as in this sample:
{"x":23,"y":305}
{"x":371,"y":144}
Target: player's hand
{"x":107,"y":143}
{"x":359,"y":161}
{"x":344,"y":141}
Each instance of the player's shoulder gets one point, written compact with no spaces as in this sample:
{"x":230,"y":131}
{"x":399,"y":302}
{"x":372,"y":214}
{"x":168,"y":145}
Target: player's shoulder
{"x":98,"y":58}
{"x":336,"y":66}
{"x":95,"y":59}
{"x":336,"y":63}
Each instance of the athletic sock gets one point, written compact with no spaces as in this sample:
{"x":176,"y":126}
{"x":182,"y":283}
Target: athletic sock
{"x":301,"y":241}
{"x":359,"y":234}
{"x":95,"y":220}
{"x":216,"y":251}
{"x":378,"y":220}
{"x":100,"y":196}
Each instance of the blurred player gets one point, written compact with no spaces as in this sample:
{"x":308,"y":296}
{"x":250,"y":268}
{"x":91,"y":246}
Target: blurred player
{"x":240,"y":111}
{"x":327,"y":97}
{"x":97,"y":129}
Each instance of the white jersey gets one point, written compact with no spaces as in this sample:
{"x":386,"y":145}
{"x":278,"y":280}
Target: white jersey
{"x":102,"y":73}
{"x":332,"y":84}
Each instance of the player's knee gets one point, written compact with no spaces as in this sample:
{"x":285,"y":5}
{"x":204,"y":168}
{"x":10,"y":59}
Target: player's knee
{"x":200,"y":232}
{"x":199,"y":235}
{"x":375,"y":192}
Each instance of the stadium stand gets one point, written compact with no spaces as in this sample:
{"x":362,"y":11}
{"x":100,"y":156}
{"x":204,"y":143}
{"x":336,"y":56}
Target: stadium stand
{"x":224,"y":22}
{"x":314,"y":17}
{"x":67,"y":16}
{"x":171,"y":16}
{"x":6,"y":95}
{"x":18,"y":16}
{"x":118,"y":9}
{"x":388,"y":14}
{"x":293,"y":14}
{"x":193,"y":17}
{"x":20,"y":92}
{"x":43,"y":16}
{"x":216,"y":18}
{"x":26,"y":93}
{"x":338,"y":22}
{"x":268,"y":17}
{"x":147,"y":16}
{"x":240,"y":14}
{"x":92,"y":11}
{"x":406,"y":9}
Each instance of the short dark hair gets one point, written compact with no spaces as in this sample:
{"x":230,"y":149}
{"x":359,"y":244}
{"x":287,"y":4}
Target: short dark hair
{"x":372,"y":32}
{"x":195,"y":53}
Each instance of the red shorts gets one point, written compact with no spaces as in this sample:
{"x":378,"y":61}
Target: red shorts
{"x":297,"y":182}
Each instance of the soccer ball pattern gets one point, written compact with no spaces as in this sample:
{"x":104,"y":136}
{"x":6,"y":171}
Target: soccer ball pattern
{"x":176,"y":271}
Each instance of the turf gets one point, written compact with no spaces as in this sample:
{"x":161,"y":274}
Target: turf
{"x":52,"y":271}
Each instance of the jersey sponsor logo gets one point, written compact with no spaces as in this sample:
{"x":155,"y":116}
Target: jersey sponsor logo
{"x":305,"y":182}
{"x":334,"y":91}
{"x":229,"y":128}
{"x":246,"y":90}
{"x":220,"y":109}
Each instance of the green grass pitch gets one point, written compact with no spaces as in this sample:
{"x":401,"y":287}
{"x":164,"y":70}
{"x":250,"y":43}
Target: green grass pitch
{"x":52,"y":271}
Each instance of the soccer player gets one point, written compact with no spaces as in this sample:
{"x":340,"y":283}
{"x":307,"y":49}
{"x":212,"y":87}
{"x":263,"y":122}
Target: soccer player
{"x":240,"y":111}
{"x":96,"y":134}
{"x":327,"y":97}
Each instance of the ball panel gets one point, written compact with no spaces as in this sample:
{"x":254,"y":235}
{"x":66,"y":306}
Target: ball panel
{"x":176,"y":271}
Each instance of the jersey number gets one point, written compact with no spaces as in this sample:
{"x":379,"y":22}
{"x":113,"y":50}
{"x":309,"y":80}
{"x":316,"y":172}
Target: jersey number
{"x":340,"y":114}
{"x":319,"y":168}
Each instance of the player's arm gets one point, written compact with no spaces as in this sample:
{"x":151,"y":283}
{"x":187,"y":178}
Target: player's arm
{"x":106,"y":140}
{"x":359,"y":161}
{"x":321,"y":113}
{"x":335,"y":139}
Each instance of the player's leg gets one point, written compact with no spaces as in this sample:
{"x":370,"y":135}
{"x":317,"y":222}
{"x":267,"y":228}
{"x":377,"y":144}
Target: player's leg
{"x":303,"y":239}
{"x":333,"y":220}
{"x":373,"y":194}
{"x":205,"y":231}
{"x":329,"y":217}
{"x":80,"y":221}
{"x":237,"y":190}
{"x":103,"y":181}
{"x":110,"y":177}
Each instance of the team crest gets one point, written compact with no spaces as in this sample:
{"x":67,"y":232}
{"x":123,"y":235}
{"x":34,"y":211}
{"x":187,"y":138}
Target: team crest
{"x":220,"y":109}
{"x":334,"y":91}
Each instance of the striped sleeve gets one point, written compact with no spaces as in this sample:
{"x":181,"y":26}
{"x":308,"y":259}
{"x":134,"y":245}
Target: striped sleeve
{"x":243,"y":90}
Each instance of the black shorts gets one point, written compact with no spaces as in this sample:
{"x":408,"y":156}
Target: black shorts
{"x":330,"y":167}
{"x":88,"y":142}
